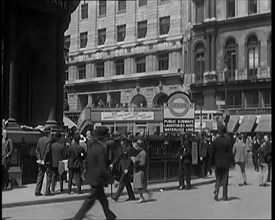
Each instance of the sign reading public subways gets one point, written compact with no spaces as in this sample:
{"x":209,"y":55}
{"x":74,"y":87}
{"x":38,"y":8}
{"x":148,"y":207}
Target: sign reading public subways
{"x":178,"y":114}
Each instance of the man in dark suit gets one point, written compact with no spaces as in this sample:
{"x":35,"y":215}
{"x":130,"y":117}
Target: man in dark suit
{"x":125,"y":167}
{"x":223,"y":159}
{"x":58,"y":153}
{"x":76,"y":154}
{"x":97,"y":175}
{"x":268,"y":157}
{"x":7,"y":150}
{"x":44,"y":160}
{"x":204,"y":154}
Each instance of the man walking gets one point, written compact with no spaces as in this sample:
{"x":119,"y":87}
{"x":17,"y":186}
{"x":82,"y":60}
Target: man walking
{"x":255,"y":145}
{"x":241,"y":157}
{"x":204,"y":154}
{"x":125,"y":166}
{"x":58,"y":153}
{"x":223,"y":159}
{"x":44,"y":160}
{"x":7,"y":150}
{"x":97,"y":175}
{"x":268,"y":157}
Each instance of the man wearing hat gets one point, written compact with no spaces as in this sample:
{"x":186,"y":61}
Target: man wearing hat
{"x":222,"y":159}
{"x":125,"y":167}
{"x":97,"y":175}
{"x":44,"y":160}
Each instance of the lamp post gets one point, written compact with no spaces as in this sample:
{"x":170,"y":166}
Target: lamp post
{"x":225,"y":71}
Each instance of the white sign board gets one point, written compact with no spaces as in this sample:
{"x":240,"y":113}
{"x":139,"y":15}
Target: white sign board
{"x":127,"y":116}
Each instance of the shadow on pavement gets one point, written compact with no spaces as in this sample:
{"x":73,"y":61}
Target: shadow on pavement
{"x":4,"y":218}
{"x":14,"y":187}
{"x":150,"y":200}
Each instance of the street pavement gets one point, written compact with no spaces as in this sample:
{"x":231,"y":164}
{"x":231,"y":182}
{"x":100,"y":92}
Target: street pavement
{"x":246,"y":202}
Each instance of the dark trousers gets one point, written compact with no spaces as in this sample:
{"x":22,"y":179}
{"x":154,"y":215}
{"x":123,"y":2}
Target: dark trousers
{"x":222,"y":179}
{"x":5,"y":174}
{"x":184,"y":175}
{"x":269,"y":171}
{"x":97,"y":192}
{"x":205,"y":166}
{"x":255,"y":162}
{"x":125,"y":180}
{"x":77,"y":172}
{"x":42,"y":169}
{"x":55,"y":176}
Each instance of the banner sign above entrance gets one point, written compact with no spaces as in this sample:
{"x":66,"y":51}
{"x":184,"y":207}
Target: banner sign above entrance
{"x":178,"y":114}
{"x":127,"y":116}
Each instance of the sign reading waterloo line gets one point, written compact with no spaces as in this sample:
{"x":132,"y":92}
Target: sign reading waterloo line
{"x":178,"y":114}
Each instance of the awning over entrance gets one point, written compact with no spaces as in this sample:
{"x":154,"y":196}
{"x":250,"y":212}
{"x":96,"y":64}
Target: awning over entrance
{"x":233,"y":120}
{"x":68,"y":122}
{"x":247,"y":123}
{"x":264,"y":124}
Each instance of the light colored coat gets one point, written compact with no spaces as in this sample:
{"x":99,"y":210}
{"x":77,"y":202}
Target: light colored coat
{"x":239,"y":151}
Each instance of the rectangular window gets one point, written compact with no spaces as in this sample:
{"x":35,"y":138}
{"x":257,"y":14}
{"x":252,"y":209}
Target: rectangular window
{"x":164,"y":25}
{"x":234,"y":99}
{"x":266,"y":94}
{"x":199,"y":66}
{"x":121,"y":5}
{"x":83,"y":39}
{"x":142,"y":2}
{"x":252,"y":7}
{"x":163,"y":60}
{"x":99,"y":69}
{"x":121,"y":32}
{"x":81,"y":71}
{"x":230,"y":8}
{"x":253,"y":58}
{"x":164,"y":1}
{"x":101,"y":36}
{"x":252,"y":98}
{"x":141,"y":64}
{"x":84,"y":11}
{"x":142,"y":29}
{"x":120,"y":67}
{"x":102,"y":7}
{"x":67,"y":41}
{"x":199,"y":12}
{"x":231,"y":63}
{"x":66,"y":75}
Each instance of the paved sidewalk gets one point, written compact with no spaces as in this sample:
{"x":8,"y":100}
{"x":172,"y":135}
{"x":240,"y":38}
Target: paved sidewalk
{"x":24,"y":195}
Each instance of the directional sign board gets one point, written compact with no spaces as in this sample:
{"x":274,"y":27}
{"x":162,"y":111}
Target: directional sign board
{"x":178,"y":114}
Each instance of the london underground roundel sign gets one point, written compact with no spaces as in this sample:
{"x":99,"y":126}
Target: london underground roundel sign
{"x":179,"y":106}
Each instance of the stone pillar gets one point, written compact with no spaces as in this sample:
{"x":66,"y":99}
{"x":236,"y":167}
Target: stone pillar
{"x":207,"y":53}
{"x":212,"y":9}
{"x":13,"y":82}
{"x":213,"y":52}
{"x":207,"y":11}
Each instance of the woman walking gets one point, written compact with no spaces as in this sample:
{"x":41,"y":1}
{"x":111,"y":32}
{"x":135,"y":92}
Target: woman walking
{"x":140,"y":170}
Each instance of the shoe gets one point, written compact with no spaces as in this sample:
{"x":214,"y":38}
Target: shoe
{"x":181,"y":187}
{"x":115,"y":199}
{"x":69,"y":192}
{"x":225,"y":199}
{"x":38,"y":194}
{"x":129,"y":199}
{"x":141,"y":200}
{"x":261,"y":184}
{"x":245,"y":183}
{"x":188,"y":188}
{"x":79,"y":192}
{"x":240,"y":184}
{"x":216,"y":197}
{"x":48,"y":194}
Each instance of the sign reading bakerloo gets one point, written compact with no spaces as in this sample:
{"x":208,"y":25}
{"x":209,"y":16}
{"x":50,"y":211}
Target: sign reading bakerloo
{"x":178,"y":114}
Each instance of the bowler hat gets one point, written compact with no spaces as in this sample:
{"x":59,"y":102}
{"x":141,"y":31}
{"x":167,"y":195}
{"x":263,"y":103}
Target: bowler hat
{"x":102,"y":132}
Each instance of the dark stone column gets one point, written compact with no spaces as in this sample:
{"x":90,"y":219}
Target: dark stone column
{"x":207,"y":53}
{"x":213,"y":52}
{"x":12,"y":72}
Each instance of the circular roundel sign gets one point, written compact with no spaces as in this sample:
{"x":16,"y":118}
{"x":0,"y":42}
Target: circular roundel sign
{"x":179,"y":104}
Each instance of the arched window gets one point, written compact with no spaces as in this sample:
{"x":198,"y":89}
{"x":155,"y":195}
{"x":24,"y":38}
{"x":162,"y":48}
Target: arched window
{"x":199,"y":62}
{"x":252,"y":56}
{"x":231,"y":58}
{"x":138,"y":101}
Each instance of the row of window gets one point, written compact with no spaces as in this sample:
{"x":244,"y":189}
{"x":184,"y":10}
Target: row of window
{"x":163,"y":63}
{"x":252,"y":57}
{"x":230,"y":9}
{"x":164,"y":26}
{"x":103,"y":5}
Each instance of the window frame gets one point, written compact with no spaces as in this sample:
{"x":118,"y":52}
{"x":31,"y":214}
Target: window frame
{"x":100,"y":33}
{"x":83,"y":37}
{"x":253,"y":46}
{"x":121,"y":6}
{"x":84,"y":12}
{"x":140,"y":64}
{"x":81,"y":67}
{"x":252,"y":3}
{"x":164,"y":26}
{"x":199,"y":13}
{"x":67,"y":41}
{"x":231,"y":48}
{"x":102,"y":6}
{"x":142,"y":29}
{"x":250,"y":95}
{"x":228,"y":14}
{"x":143,"y":4}
{"x":199,"y":56}
{"x":163,"y":61}
{"x":100,"y":69}
{"x":119,"y":64}
{"x":121,"y":29}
